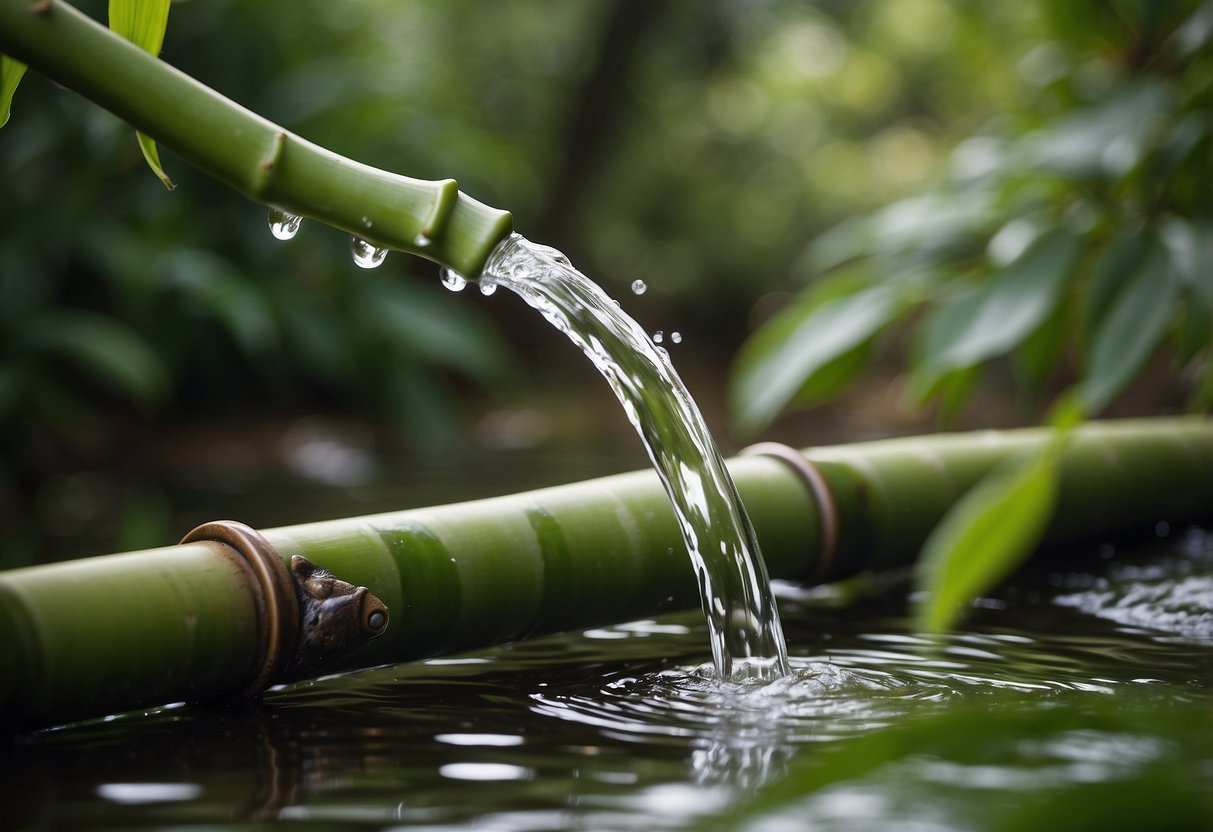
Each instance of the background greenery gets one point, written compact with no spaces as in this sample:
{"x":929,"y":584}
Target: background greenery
{"x":903,"y":160}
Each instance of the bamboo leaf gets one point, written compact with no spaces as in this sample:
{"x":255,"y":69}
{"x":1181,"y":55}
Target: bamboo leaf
{"x":810,"y":349}
{"x":143,"y":23}
{"x":152,"y":156}
{"x":1135,"y":323}
{"x":11,"y":72}
{"x":990,"y":531}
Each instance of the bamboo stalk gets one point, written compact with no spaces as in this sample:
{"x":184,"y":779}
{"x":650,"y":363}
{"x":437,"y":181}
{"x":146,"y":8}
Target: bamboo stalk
{"x":261,"y":160}
{"x":88,"y":637}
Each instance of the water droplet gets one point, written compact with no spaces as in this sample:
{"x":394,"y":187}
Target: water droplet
{"x":367,"y":221}
{"x":422,"y":241}
{"x":284,"y":226}
{"x":365,"y":254}
{"x":675,"y":337}
{"x":658,"y":337}
{"x":487,"y":289}
{"x":639,"y":287}
{"x":452,"y":279}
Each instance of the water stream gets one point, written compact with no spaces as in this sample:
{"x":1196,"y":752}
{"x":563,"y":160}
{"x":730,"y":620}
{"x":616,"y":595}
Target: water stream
{"x":746,"y":639}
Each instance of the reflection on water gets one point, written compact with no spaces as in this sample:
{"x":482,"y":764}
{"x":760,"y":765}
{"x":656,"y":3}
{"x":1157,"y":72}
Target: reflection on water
{"x":1040,"y":705}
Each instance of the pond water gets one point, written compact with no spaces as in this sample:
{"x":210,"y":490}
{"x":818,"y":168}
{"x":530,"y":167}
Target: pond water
{"x":1080,"y":695}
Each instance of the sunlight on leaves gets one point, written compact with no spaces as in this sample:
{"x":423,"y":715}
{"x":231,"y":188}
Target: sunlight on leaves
{"x":11,"y":72}
{"x":143,"y":23}
{"x":992,"y":529}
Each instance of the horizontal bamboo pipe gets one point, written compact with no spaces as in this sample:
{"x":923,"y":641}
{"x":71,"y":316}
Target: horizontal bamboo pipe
{"x":88,"y":637}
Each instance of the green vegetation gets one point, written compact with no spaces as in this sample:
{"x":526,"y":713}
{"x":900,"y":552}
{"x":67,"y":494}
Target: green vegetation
{"x":1067,"y":238}
{"x":1075,"y":231}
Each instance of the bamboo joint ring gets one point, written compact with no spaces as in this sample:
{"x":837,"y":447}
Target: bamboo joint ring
{"x":819,"y":490}
{"x":273,"y":590}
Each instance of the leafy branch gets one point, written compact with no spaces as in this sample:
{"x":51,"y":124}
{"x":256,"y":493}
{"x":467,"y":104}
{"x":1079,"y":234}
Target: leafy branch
{"x":1084,"y":235}
{"x":258,"y":158}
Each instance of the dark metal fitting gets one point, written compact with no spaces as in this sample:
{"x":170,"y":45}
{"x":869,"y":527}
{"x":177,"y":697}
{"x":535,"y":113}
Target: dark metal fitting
{"x":307,"y":617}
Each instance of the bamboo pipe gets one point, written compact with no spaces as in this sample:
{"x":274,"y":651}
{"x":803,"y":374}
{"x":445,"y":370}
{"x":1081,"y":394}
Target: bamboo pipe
{"x":265,"y":162}
{"x":88,"y":637}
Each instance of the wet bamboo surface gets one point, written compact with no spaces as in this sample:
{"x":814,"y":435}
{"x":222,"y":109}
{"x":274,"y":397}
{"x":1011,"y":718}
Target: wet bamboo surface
{"x":89,"y":637}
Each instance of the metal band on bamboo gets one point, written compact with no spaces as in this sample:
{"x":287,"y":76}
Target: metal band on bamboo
{"x":819,"y":489}
{"x":277,"y":605}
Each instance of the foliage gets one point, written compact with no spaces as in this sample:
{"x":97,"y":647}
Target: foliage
{"x":1077,"y":227}
{"x":991,"y":530}
{"x":143,"y":23}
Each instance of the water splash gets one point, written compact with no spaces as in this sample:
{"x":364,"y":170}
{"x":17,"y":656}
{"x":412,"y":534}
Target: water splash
{"x":284,"y":226}
{"x":745,"y":635}
{"x":365,"y":254}
{"x":658,"y":337}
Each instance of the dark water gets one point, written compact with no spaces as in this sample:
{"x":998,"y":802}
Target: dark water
{"x":1079,"y":696}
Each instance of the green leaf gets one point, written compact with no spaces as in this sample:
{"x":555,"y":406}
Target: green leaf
{"x":809,"y":349}
{"x":143,"y":23}
{"x":152,"y":156}
{"x":1106,"y":140}
{"x":1134,"y":325}
{"x":1190,"y":244}
{"x":989,"y":321}
{"x":1041,"y":351}
{"x":986,"y":535}
{"x":11,"y":72}
{"x":1114,"y":269}
{"x":935,"y":226}
{"x":108,"y":351}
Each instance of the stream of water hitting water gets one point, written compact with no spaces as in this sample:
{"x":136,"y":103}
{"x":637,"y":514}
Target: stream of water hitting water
{"x":746,"y":638}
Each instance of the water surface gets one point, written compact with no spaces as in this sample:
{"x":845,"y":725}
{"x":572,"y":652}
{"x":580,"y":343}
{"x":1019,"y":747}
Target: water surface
{"x":1077,"y":696}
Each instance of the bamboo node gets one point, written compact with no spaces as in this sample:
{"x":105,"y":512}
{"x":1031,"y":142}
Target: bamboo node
{"x":274,"y":592}
{"x":819,"y":490}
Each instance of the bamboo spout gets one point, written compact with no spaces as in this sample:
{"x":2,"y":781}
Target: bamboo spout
{"x":89,"y":637}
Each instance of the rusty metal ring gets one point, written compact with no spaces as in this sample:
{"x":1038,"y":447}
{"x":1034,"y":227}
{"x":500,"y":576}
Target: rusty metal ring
{"x":819,"y":489}
{"x":274,"y":591}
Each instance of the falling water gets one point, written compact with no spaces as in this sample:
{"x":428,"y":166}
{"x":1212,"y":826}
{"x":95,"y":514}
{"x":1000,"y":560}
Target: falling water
{"x":747,"y":641}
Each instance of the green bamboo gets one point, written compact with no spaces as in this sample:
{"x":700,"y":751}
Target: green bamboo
{"x":88,"y":637}
{"x":258,"y":158}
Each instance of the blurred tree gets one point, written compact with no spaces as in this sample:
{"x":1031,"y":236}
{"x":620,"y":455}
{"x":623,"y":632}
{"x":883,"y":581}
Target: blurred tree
{"x":1079,"y":225}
